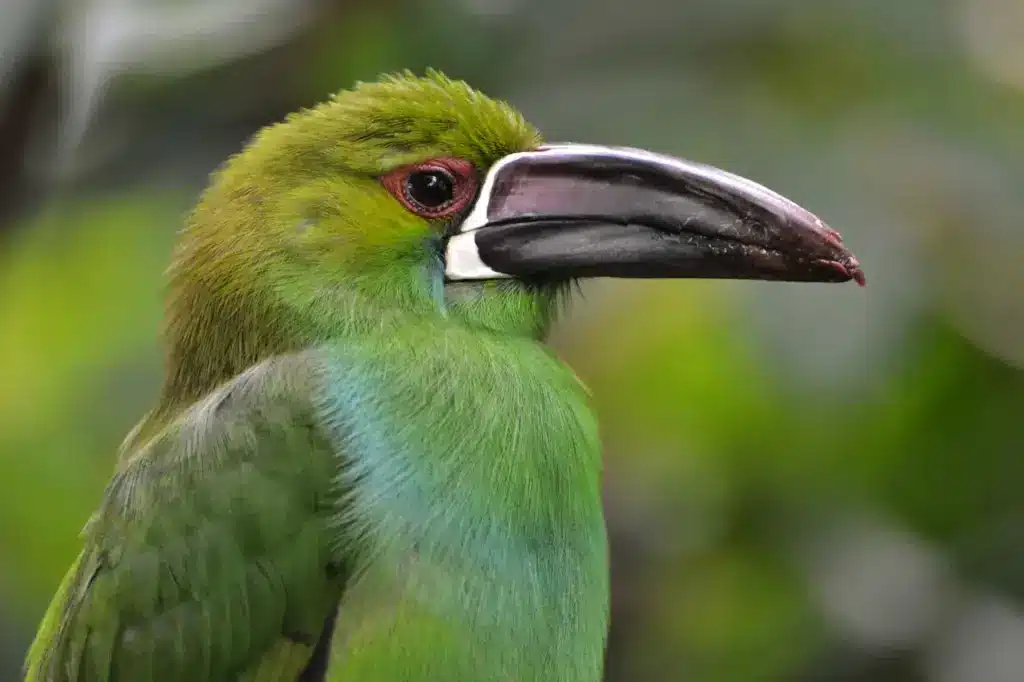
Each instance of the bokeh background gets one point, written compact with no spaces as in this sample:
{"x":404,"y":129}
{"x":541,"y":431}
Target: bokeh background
{"x":804,"y":483}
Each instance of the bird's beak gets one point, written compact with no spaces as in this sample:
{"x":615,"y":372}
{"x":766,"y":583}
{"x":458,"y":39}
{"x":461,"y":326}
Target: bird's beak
{"x":568,"y":211}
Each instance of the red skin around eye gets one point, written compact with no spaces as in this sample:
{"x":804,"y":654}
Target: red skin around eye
{"x":464,"y":181}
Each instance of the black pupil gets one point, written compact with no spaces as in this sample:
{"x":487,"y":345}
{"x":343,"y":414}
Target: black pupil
{"x":430,"y":188}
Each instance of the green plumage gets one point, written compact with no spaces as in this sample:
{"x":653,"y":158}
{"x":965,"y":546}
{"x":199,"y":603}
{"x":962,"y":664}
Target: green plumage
{"x":209,"y":558}
{"x":341,"y":432}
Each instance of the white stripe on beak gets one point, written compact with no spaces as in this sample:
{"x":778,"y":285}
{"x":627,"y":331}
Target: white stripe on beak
{"x":462,"y":260}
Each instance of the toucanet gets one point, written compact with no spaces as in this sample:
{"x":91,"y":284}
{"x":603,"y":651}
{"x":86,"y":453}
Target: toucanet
{"x":364,"y":464}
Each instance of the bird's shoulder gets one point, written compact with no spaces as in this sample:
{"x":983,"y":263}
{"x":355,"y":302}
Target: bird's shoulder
{"x":208,"y":558}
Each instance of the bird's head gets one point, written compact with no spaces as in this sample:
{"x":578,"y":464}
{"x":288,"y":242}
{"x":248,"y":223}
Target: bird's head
{"x":419,"y":196}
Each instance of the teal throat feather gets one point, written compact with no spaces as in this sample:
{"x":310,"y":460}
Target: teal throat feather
{"x":477,"y":513}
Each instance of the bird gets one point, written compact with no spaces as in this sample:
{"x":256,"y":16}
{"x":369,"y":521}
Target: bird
{"x":364,"y":464}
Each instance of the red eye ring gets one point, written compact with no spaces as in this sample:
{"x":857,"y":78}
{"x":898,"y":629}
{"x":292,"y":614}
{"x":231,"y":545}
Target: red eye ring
{"x":433,"y":189}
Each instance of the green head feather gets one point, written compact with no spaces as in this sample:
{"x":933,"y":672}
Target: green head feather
{"x":297,"y":239}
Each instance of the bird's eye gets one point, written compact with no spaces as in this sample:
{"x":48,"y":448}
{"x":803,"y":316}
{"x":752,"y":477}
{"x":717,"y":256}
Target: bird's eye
{"x":434,"y":189}
{"x":431,"y":188}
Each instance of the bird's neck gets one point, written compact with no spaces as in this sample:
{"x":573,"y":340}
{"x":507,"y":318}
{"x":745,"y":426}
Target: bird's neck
{"x":218,"y":324}
{"x":211,"y":337}
{"x":212,"y":342}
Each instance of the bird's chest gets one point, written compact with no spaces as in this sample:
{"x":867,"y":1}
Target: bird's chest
{"x":482,"y":539}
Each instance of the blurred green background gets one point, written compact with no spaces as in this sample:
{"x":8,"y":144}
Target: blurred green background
{"x":804,"y":483}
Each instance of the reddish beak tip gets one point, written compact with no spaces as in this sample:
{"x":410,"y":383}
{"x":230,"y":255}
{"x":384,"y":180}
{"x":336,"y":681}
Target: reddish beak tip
{"x":835,"y":237}
{"x":850,"y":268}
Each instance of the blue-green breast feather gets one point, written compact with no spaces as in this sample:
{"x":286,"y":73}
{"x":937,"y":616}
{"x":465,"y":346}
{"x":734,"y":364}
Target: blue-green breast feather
{"x":473,"y":481}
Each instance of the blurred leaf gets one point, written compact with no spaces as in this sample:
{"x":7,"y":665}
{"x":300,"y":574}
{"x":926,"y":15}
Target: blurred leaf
{"x":81,"y":292}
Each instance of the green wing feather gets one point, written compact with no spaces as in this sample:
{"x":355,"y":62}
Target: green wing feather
{"x":209,"y":559}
